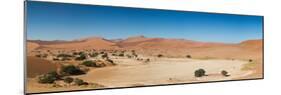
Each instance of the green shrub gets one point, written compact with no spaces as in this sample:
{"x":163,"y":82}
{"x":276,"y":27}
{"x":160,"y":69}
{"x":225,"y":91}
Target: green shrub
{"x":68,"y":80}
{"x":48,"y":78}
{"x":199,"y":73}
{"x":81,"y":57}
{"x":71,"y":70}
{"x":79,"y":82}
{"x":64,"y":55}
{"x":224,"y":73}
{"x":90,"y":64}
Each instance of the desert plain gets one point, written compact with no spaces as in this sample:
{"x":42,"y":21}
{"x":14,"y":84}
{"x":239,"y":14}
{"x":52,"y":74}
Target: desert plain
{"x":97,"y":63}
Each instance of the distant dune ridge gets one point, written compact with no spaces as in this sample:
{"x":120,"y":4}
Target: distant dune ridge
{"x":136,"y":42}
{"x":249,"y":49}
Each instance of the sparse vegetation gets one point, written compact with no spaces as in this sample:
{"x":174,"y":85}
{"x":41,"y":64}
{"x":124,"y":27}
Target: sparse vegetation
{"x":121,"y":54}
{"x":81,"y":57}
{"x":104,"y":55}
{"x":80,"y":82}
{"x":250,"y":60}
{"x":75,"y":53}
{"x":55,"y":59}
{"x":38,"y":55}
{"x":68,"y":80}
{"x":129,"y":56}
{"x":90,"y":64}
{"x":65,"y":59}
{"x":94,"y":54}
{"x":113,"y":54}
{"x":188,"y":56}
{"x":159,"y":55}
{"x":48,"y":78}
{"x":64,"y":55}
{"x":109,"y":60}
{"x":147,"y":60}
{"x":224,"y":73}
{"x":199,"y":73}
{"x":71,"y":70}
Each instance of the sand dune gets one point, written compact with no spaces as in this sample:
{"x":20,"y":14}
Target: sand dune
{"x":92,"y":43}
{"x":32,"y":46}
{"x":172,"y":68}
{"x":37,"y":66}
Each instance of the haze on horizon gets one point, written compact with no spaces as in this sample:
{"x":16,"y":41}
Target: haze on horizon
{"x":57,"y":21}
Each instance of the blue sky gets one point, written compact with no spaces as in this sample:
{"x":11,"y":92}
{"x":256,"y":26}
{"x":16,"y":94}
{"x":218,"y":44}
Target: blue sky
{"x":58,"y":21}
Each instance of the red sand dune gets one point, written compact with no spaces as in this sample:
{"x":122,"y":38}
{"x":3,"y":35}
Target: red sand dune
{"x":178,"y":47}
{"x":89,"y":43}
{"x":31,"y":46}
{"x":37,"y":66}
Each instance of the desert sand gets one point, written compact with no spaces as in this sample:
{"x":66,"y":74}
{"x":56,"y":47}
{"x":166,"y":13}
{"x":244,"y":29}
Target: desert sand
{"x":241,"y":61}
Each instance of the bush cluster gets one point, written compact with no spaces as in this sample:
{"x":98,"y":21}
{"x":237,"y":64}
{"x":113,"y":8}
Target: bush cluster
{"x":48,"y":78}
{"x":199,"y":73}
{"x":90,"y":64}
{"x":71,"y":70}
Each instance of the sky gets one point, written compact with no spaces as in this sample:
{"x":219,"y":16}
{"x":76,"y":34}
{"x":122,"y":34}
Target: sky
{"x":59,"y":21}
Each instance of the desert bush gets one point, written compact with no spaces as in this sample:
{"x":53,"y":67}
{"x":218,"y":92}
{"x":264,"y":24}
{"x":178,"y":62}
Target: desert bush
{"x":104,"y":55}
{"x":38,"y":55}
{"x":199,"y":73}
{"x":113,"y":54}
{"x":188,"y":56}
{"x":48,"y":78}
{"x":224,"y":73}
{"x":159,"y":55}
{"x":55,"y":59}
{"x":71,"y":70}
{"x":64,"y":55}
{"x":79,"y":82}
{"x":45,"y":55}
{"x":121,"y":54}
{"x":250,"y":60}
{"x":129,"y":56}
{"x":90,"y":64}
{"x":94,"y":54}
{"x":133,"y":51}
{"x":81,"y":57}
{"x":68,"y":80}
{"x":109,"y":60}
{"x":147,"y":60}
{"x":135,"y":55}
{"x":65,"y":58}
